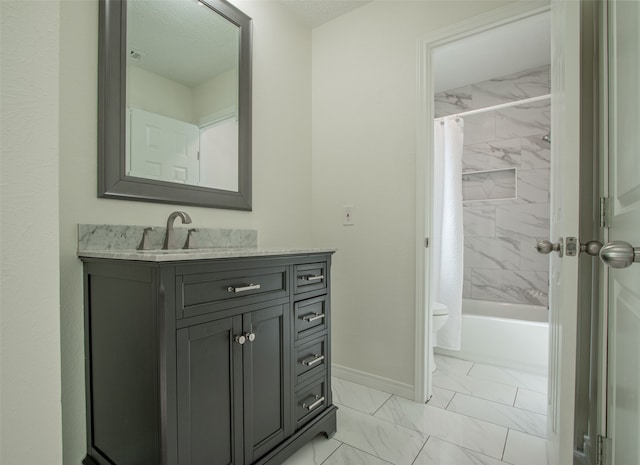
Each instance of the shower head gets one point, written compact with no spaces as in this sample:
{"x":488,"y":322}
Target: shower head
{"x":547,"y":138}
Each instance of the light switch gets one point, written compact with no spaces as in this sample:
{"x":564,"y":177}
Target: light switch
{"x":347,"y":215}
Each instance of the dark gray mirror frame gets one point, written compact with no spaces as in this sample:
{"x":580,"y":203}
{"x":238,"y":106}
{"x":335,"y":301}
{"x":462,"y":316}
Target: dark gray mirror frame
{"x":113,"y":181}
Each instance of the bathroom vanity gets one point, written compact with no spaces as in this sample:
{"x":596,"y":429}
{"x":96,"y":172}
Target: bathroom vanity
{"x":206,"y":357}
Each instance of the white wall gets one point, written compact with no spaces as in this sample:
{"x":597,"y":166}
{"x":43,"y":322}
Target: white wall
{"x":364,"y":131}
{"x":216,"y":95}
{"x":30,"y":418}
{"x":281,"y":168}
{"x":157,"y":94}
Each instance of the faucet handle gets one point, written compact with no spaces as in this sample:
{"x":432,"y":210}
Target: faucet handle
{"x":145,"y":243}
{"x":190,"y":243}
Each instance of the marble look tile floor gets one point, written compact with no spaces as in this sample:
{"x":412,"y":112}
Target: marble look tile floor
{"x":479,"y":415}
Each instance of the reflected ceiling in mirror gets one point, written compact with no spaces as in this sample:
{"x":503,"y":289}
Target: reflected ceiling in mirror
{"x":175,"y":87}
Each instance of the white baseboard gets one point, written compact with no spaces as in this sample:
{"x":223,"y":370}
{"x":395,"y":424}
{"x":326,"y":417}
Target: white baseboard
{"x":373,"y":381}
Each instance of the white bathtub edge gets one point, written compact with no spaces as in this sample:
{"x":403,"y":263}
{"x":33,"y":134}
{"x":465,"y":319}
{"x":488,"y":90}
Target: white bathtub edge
{"x":518,"y":344}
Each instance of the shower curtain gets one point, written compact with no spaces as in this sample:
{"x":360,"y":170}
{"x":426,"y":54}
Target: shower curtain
{"x":448,"y":242}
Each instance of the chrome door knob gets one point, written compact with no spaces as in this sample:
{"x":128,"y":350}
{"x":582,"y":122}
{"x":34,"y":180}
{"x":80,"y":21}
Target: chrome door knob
{"x":251,"y":337}
{"x":591,"y":248}
{"x":240,"y":339}
{"x":619,"y":254}
{"x":546,"y":247}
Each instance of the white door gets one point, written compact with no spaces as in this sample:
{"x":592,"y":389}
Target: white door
{"x":563,"y":280}
{"x":219,"y":155}
{"x":623,"y":413}
{"x":163,"y":148}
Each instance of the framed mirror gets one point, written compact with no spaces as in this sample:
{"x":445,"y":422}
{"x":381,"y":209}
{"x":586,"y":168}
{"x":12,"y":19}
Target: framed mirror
{"x":174,"y":102}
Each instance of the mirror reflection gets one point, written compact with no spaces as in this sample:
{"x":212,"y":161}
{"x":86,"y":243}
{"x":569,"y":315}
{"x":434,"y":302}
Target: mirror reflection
{"x":182,"y":94}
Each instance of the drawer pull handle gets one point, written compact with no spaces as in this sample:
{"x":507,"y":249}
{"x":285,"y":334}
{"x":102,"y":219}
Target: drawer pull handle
{"x":317,"y":358}
{"x":249,"y":287}
{"x":318,"y":401}
{"x":311,"y":277}
{"x":314,"y":317}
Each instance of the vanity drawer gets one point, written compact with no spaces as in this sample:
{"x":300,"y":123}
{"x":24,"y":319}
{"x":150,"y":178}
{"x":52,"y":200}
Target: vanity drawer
{"x":310,"y":277}
{"x":201,"y":293}
{"x":311,"y":359}
{"x":311,"y":316}
{"x":311,"y":400}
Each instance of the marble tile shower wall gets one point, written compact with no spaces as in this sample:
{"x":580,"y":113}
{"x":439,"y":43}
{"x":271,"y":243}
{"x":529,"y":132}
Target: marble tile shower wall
{"x":500,"y":262}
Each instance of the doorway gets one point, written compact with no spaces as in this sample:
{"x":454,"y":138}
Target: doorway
{"x":510,"y":85}
{"x":563,"y":274}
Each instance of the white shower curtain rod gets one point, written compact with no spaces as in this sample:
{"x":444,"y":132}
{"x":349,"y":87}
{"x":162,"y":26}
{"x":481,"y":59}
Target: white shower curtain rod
{"x":497,"y":107}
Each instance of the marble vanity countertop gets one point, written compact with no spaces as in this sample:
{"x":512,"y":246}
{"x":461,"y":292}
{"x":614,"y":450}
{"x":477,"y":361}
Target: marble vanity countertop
{"x":122,"y":242}
{"x":195,"y":254}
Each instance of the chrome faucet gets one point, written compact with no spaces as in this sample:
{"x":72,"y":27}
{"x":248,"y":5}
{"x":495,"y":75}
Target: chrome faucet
{"x":170,"y":238}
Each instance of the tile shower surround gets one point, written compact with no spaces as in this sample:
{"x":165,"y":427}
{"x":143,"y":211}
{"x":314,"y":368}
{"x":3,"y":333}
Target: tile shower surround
{"x":500,"y":262}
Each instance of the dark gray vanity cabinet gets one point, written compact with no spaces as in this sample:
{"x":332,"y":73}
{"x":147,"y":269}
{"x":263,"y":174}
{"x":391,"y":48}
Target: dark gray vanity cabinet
{"x":209,"y":406}
{"x":213,"y":362}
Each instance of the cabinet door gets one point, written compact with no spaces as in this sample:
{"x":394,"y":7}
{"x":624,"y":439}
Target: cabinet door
{"x":209,"y":397}
{"x":267,"y":380}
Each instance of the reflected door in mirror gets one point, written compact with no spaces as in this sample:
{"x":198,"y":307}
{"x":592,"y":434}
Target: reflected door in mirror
{"x":182,"y":94}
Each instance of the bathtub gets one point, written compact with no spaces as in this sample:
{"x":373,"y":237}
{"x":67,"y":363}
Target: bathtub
{"x":490,"y":336}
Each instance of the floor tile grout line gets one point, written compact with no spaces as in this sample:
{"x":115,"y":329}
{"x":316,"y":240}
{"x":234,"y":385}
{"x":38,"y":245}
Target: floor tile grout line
{"x":504,"y":449}
{"x":390,"y":422}
{"x":500,"y":404}
{"x":519,"y":429}
{"x":470,"y":368}
{"x":367,"y":453}
{"x":469,"y":449}
{"x":476,"y":378}
{"x":333,"y":453}
{"x":382,"y":405}
{"x":474,"y":364}
{"x":451,"y":400}
{"x":476,"y":396}
{"x":520,"y":385}
{"x":421,"y":449}
{"x":494,"y":366}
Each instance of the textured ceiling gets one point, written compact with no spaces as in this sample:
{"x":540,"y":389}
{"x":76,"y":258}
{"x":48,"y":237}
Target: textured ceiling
{"x":181,"y":40}
{"x":188,"y":43}
{"x":316,"y":12}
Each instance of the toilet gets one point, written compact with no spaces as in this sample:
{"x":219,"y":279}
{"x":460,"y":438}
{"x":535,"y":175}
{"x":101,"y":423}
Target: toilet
{"x":440,"y":314}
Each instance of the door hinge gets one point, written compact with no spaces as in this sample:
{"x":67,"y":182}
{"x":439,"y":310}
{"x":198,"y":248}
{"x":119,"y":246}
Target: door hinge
{"x":603,"y":451}
{"x":426,"y":242}
{"x":604,"y":212}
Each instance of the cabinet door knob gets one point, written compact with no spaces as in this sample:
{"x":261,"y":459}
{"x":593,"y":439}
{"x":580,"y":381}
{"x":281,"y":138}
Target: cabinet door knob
{"x":240,"y":339}
{"x":251,"y":336}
